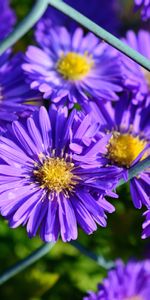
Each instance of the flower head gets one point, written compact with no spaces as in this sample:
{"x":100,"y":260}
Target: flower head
{"x":125,"y":282}
{"x":51,"y":179}
{"x":7,"y":19}
{"x":72,"y":68}
{"x":15,"y":94}
{"x":144,"y":5}
{"x":129,"y":142}
{"x":136,"y":78}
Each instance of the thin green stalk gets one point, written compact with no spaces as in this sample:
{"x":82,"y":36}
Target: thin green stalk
{"x":100,"y":32}
{"x":99,"y":259}
{"x":134,"y":171}
{"x":23,"y":264}
{"x":34,"y":15}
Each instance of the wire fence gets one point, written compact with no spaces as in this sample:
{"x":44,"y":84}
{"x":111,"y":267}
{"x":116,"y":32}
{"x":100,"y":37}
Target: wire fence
{"x":20,"y":30}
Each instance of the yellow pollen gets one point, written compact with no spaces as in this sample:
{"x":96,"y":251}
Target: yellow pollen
{"x":74,"y":66}
{"x":123,"y":149}
{"x":56,"y":175}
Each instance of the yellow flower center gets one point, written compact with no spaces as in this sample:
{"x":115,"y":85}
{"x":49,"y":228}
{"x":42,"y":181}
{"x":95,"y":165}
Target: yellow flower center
{"x":56,"y":175}
{"x":74,"y":66}
{"x":123,"y":149}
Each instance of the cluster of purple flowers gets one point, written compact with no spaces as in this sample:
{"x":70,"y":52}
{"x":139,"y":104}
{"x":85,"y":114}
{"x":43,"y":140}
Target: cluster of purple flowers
{"x":58,"y":165}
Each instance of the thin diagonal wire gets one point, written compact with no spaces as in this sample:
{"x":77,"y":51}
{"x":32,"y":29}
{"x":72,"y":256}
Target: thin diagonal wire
{"x":23,"y":27}
{"x":28,"y":22}
{"x":100,"y":32}
{"x":99,"y":259}
{"x":40,"y":8}
{"x":23,"y":264}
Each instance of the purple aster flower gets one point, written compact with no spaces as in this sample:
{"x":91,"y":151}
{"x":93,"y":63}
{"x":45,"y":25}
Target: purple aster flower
{"x":125,"y":282}
{"x":129,"y":142}
{"x":144,"y":5}
{"x":51,"y":173}
{"x":137,"y":79}
{"x":15,"y":94}
{"x":73,"y":67}
{"x":7,"y":19}
{"x":146,"y":225}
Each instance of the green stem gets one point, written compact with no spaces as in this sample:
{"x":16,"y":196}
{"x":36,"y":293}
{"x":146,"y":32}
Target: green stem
{"x":22,"y":28}
{"x":23,"y":264}
{"x":134,"y":171}
{"x":100,"y":32}
{"x":99,"y":259}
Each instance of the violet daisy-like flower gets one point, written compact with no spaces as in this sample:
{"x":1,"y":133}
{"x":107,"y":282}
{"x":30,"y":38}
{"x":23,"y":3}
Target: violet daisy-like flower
{"x":72,"y":67}
{"x":7,"y":19}
{"x":51,"y":174}
{"x":144,"y":5}
{"x":15,"y":94}
{"x":136,"y":78}
{"x":146,"y":225}
{"x":125,"y":282}
{"x":129,"y":142}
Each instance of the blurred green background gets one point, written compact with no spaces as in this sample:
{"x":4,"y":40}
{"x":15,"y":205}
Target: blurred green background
{"x":64,"y":273}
